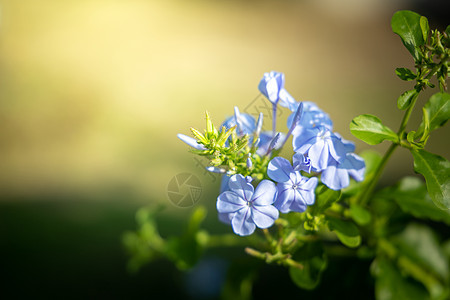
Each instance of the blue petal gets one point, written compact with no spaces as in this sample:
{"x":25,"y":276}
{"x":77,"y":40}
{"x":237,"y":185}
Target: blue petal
{"x":226,"y":217}
{"x":271,"y":84}
{"x":224,"y":184}
{"x":264,"y":216}
{"x":355,"y":165}
{"x":190,"y":141}
{"x":297,"y":206}
{"x":285,"y":197}
{"x":229,"y":202}
{"x":241,"y":187}
{"x":349,"y":145}
{"x":286,"y":100}
{"x":303,"y":138}
{"x":301,"y":162}
{"x":307,"y":190}
{"x":335,"y":178}
{"x":242,"y":222}
{"x":318,"y":154}
{"x":264,"y":193}
{"x":279,"y":169}
{"x":337,"y":148}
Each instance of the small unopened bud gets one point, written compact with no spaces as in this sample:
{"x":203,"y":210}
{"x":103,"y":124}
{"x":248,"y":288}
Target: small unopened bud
{"x":216,"y":170}
{"x":249,"y":162}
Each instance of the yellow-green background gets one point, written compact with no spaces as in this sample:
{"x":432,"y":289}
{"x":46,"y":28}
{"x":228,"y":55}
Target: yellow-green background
{"x":93,"y":93}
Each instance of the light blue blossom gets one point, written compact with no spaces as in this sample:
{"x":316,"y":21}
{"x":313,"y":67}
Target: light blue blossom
{"x":312,"y":116}
{"x":272,"y":87}
{"x":295,"y":191}
{"x":247,"y":208}
{"x":320,"y":144}
{"x":337,"y":175}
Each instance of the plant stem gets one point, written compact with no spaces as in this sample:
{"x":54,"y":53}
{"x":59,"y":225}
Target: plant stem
{"x":365,"y":195}
{"x":368,"y":190}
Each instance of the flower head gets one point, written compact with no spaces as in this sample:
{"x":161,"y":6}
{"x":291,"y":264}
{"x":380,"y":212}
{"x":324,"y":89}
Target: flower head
{"x":295,"y":191}
{"x":245,"y":207}
{"x":321,"y":146}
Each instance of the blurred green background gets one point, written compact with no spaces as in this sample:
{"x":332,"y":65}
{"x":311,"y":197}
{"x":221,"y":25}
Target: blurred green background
{"x":93,"y":93}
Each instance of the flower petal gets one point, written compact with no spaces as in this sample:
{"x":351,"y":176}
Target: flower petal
{"x":264,"y":216}
{"x":240,"y":186}
{"x":335,"y":178}
{"x":307,"y":190}
{"x":279,"y":169}
{"x":337,"y":148}
{"x":303,"y":139}
{"x":229,"y":202}
{"x":355,"y":166}
{"x":225,"y":217}
{"x":297,"y":206}
{"x":242,"y":222}
{"x":285,"y":197}
{"x":286,"y":100}
{"x":265,"y":193}
{"x":318,"y":155}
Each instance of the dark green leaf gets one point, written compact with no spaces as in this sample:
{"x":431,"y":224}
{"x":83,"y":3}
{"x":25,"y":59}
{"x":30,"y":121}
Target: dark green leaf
{"x":314,"y":262}
{"x":369,"y":129}
{"x":420,"y":245}
{"x":405,"y":99}
{"x":436,"y":171}
{"x":407,"y":25}
{"x":412,"y":197}
{"x":360,"y":214}
{"x":438,"y":109}
{"x":405,"y":74}
{"x":391,"y":285}
{"x":346,"y":231}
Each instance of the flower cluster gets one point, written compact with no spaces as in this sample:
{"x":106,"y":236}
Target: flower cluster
{"x":247,"y":158}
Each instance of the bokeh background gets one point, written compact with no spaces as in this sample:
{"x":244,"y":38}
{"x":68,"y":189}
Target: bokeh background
{"x":93,"y":93}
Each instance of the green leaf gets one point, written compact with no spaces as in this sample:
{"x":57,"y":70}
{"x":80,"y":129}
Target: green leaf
{"x":405,"y":74}
{"x":424,"y":27}
{"x":420,"y":245}
{"x":438,"y":109}
{"x":369,"y":129}
{"x":314,"y":262}
{"x":346,"y":231}
{"x":324,"y":199}
{"x":405,"y":99}
{"x":407,"y":25}
{"x":436,"y":171}
{"x":360,"y":214}
{"x":412,"y":197}
{"x":391,"y":285}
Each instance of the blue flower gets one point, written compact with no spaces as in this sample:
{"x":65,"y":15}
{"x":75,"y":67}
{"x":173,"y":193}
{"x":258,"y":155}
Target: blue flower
{"x":246,"y":208}
{"x":272,"y":87}
{"x":337,"y":175}
{"x":312,"y":116}
{"x":295,"y":191}
{"x":320,"y":144}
